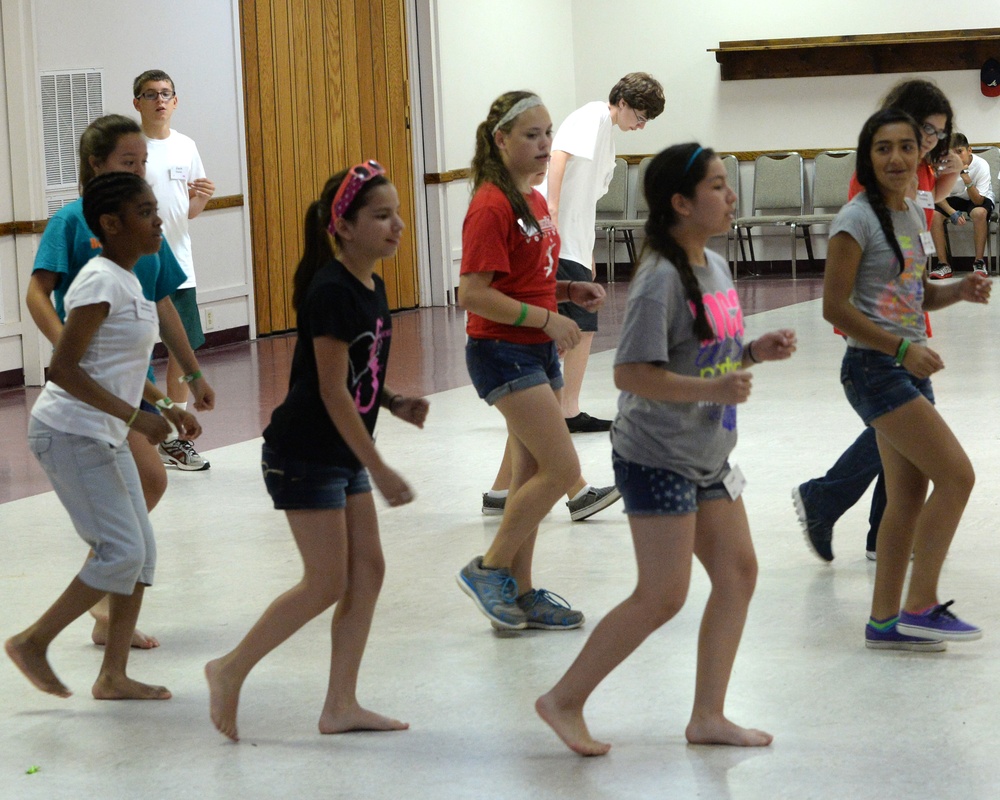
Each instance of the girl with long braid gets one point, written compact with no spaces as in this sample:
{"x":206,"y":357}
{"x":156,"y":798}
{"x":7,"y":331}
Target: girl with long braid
{"x":680,"y":367}
{"x":876,"y":292}
{"x":510,"y":251}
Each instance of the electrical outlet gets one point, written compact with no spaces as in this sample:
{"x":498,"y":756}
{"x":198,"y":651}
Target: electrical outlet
{"x":209,"y":319}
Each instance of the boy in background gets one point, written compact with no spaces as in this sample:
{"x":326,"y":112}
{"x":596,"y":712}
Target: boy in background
{"x":182,"y":190}
{"x":972,"y":195}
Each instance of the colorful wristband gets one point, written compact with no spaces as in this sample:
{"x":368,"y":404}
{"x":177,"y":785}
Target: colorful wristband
{"x":131,"y":419}
{"x":523,"y":315}
{"x":191,"y":376}
{"x":904,"y":345}
{"x":164,"y":404}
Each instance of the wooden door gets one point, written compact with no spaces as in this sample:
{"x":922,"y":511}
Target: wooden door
{"x":325,"y":86}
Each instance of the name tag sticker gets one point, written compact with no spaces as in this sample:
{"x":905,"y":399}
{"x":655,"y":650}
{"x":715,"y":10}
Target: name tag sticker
{"x":735,"y":482}
{"x":925,"y":199}
{"x":927,"y":242}
{"x":178,"y":174}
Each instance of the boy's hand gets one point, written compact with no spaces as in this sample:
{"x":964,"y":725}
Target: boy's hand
{"x":200,"y":187}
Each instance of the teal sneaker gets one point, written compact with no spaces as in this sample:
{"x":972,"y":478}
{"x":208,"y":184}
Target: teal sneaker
{"x":548,"y":611}
{"x":494,"y":592}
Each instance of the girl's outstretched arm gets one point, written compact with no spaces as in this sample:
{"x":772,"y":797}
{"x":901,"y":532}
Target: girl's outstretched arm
{"x":655,"y":383}
{"x":409,"y":409}
{"x":772,"y":346}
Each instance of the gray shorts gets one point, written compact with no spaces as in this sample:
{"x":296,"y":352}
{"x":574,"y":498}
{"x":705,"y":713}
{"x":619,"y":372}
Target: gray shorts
{"x":572,"y":271}
{"x":99,"y":486}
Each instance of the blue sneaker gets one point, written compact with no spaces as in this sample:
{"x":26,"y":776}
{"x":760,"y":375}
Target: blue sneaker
{"x":548,"y":611}
{"x":819,"y":534}
{"x":889,"y":638}
{"x":938,"y":623}
{"x":494,"y":592}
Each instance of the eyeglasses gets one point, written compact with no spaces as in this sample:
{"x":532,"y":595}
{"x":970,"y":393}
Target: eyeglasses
{"x":930,"y":130}
{"x":639,"y":118}
{"x":357,"y":176}
{"x":165,"y":94}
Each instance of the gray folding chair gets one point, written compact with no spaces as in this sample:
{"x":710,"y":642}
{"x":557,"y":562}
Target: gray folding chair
{"x":831,"y":185}
{"x":611,"y":213}
{"x":778,"y":185}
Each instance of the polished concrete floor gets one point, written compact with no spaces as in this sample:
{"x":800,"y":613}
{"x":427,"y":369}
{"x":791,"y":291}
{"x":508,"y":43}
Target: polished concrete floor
{"x":848,"y":723}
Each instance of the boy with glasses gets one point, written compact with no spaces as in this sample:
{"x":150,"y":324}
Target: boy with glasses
{"x":972,"y":195}
{"x":583,"y":162}
{"x":182,"y":190}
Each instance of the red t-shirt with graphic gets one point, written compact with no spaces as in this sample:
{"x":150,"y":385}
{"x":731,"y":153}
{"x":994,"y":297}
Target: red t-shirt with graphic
{"x":522,"y":259}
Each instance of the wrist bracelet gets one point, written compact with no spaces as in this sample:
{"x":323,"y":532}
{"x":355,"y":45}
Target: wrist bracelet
{"x":131,"y":419}
{"x":191,"y":376}
{"x":522,"y":316}
{"x":392,"y":402}
{"x":569,"y":291}
{"x":164,"y":404}
{"x":548,"y":314}
{"x":749,"y":349}
{"x":904,"y":345}
{"x":955,"y":215}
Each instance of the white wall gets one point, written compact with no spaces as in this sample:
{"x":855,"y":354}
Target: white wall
{"x":197,"y":43}
{"x":670,"y":40}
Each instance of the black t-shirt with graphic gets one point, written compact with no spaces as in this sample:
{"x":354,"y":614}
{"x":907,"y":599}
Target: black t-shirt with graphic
{"x":337,"y":305}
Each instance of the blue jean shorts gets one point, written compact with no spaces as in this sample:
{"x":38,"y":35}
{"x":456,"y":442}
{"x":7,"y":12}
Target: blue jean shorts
{"x":499,"y":368}
{"x":297,"y":485}
{"x":875,"y":384}
{"x":652,"y":491}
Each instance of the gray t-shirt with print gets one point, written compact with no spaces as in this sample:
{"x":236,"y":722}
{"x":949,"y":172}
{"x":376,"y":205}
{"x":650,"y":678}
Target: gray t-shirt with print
{"x":691,"y":439}
{"x":890,"y":298}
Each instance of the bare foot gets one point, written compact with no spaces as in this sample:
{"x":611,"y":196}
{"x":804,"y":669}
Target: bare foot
{"x":124,"y":688}
{"x":35,"y":666}
{"x":570,"y":727}
{"x":358,"y":719}
{"x":139,"y":639}
{"x":719,"y":730}
{"x":223,"y":700}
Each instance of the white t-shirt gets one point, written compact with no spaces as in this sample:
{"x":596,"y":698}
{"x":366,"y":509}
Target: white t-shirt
{"x":979,"y":172}
{"x":117,"y":356}
{"x":586,"y":136}
{"x":171,"y":163}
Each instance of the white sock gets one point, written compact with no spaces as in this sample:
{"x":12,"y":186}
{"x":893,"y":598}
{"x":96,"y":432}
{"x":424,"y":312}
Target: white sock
{"x":581,"y":493}
{"x":497,"y":494}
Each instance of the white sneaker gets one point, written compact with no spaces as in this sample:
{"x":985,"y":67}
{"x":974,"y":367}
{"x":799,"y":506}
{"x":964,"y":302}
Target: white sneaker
{"x":180,"y":453}
{"x":942,"y":271}
{"x":979,"y":267}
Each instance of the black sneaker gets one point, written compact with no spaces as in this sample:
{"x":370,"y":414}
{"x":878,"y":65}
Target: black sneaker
{"x":819,"y":534}
{"x":584,"y":423}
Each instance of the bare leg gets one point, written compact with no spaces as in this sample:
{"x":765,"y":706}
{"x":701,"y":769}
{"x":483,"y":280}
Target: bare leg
{"x":28,"y":649}
{"x":153,"y":478}
{"x":351,"y":623}
{"x":176,"y":389}
{"x":574,"y":367}
{"x":534,"y":420}
{"x":504,"y":473}
{"x":723,"y":545}
{"x":937,"y":234}
{"x":980,"y":223}
{"x":321,"y":537}
{"x":934,"y":456}
{"x":112,"y":682}
{"x":663,"y":548}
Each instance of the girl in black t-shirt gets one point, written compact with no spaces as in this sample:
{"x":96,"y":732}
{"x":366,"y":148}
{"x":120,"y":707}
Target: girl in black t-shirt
{"x":318,"y":450}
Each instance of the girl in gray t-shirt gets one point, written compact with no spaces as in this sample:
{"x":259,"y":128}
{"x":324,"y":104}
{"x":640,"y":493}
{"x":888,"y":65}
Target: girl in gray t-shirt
{"x":680,"y":368}
{"x":876,"y":291}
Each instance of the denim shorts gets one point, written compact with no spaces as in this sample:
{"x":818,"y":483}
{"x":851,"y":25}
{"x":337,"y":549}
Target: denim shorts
{"x":296,"y":485}
{"x":499,"y":368}
{"x":652,"y":491}
{"x":875,"y":384}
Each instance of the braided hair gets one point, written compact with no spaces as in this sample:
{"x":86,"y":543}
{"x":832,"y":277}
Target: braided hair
{"x":487,"y":164}
{"x":316,"y":250}
{"x":866,"y":170}
{"x":107,"y":194}
{"x":676,"y":170}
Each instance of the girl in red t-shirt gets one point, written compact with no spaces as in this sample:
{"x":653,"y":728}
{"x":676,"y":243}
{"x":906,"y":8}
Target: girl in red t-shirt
{"x":510,"y":250}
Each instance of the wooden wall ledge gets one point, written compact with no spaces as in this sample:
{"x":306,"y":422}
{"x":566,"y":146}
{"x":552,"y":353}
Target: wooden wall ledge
{"x":21,"y":228}
{"x":928,"y":51}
